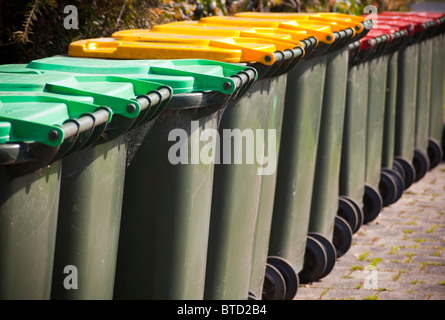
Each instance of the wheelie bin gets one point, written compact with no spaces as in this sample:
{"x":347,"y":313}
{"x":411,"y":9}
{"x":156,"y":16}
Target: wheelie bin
{"x":263,"y":220}
{"x":275,"y":260}
{"x":422,"y":29}
{"x":229,"y":265}
{"x":30,"y":188}
{"x":423,"y":102}
{"x":392,"y":183}
{"x":435,"y":125}
{"x":49,"y":120}
{"x":210,"y":77}
{"x":323,"y":213}
{"x":377,"y":62}
{"x":405,"y":102}
{"x":226,"y":218}
{"x":243,"y":115}
{"x":352,"y":162}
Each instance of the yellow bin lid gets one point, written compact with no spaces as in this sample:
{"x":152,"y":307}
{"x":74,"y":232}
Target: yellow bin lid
{"x":322,"y":32}
{"x":232,"y":50}
{"x":202,"y":35}
{"x":199,"y":28}
{"x":338,"y":22}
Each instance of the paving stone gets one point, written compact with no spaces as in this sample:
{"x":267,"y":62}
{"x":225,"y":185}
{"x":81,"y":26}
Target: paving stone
{"x":405,"y":243}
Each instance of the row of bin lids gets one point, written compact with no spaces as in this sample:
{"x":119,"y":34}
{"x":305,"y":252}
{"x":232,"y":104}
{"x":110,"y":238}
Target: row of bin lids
{"x":248,"y":36}
{"x":68,"y":103}
{"x":251,"y":38}
{"x":393,"y":25}
{"x":53,"y":100}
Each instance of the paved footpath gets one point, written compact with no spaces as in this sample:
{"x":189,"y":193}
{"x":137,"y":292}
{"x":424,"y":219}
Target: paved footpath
{"x":398,"y":256}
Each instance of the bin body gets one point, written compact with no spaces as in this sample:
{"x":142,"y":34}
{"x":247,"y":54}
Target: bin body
{"x":95,"y":180}
{"x":267,"y":192}
{"x":325,"y":192}
{"x":166,"y":208}
{"x":91,"y":187}
{"x":28,"y":220}
{"x":375,"y":119}
{"x":296,"y":164}
{"x":352,"y":166}
{"x":390,"y":112}
{"x":406,"y":102}
{"x":237,"y":187}
{"x":423,"y":100}
{"x":89,"y":220}
{"x":437,"y":88}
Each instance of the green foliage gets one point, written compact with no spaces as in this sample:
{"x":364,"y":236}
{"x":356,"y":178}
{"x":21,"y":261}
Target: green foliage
{"x":32,"y":29}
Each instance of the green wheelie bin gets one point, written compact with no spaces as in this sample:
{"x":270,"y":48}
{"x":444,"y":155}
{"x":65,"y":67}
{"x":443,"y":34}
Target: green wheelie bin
{"x":405,"y":105}
{"x":277,"y":266}
{"x":39,"y":129}
{"x":234,"y":117}
{"x":431,"y":66}
{"x":92,"y":170}
{"x":229,"y":265}
{"x":324,"y":223}
{"x":421,"y":160}
{"x":435,"y":149}
{"x":104,"y":231}
{"x":322,"y":250}
{"x":391,"y":184}
{"x":413,"y":97}
{"x":298,"y":95}
{"x":324,"y":220}
{"x":352,"y":168}
{"x":327,"y":224}
{"x":434,"y":34}
{"x":378,"y":62}
{"x":242,"y":194}
{"x":392,"y":181}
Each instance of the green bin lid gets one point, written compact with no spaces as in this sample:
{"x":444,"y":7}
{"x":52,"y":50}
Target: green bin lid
{"x":39,"y":117}
{"x":181,"y":75}
{"x":59,"y":83}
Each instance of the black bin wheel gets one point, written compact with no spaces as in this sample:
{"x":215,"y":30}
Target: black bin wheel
{"x":387,"y":188}
{"x":348,"y":211}
{"x":409,"y":173}
{"x":315,"y":261}
{"x":421,"y":164}
{"x":435,"y":153}
{"x":331,"y":252}
{"x":274,"y":287}
{"x":372,"y":204}
{"x":359,"y":209}
{"x":291,"y":278}
{"x":398,"y":167}
{"x":342,"y":236}
{"x":398,"y":178}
